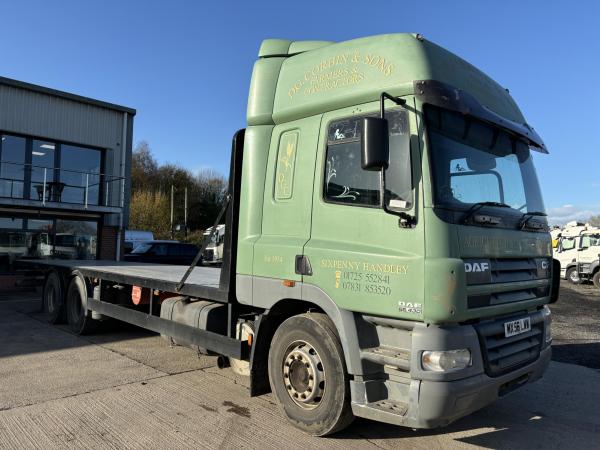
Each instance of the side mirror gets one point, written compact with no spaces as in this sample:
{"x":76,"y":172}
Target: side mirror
{"x":375,"y":146}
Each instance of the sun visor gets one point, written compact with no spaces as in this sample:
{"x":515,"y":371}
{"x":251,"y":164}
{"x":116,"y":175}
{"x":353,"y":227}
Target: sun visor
{"x":446,"y":96}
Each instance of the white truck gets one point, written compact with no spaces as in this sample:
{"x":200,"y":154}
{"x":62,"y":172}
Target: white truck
{"x":213,"y":253}
{"x":578,"y":253}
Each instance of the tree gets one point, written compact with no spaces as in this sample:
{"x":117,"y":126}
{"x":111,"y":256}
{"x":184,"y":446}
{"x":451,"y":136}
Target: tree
{"x":150,"y":211}
{"x":151,"y":194}
{"x":208,"y":198}
{"x":144,"y":168}
{"x":594,"y":221}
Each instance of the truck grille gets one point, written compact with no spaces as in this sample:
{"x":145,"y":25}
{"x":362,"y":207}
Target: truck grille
{"x":526,"y":269}
{"x":502,"y":354}
{"x":509,"y":270}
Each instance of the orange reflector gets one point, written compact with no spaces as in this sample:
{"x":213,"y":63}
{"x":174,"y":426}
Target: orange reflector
{"x":249,"y":340}
{"x":289,"y":283}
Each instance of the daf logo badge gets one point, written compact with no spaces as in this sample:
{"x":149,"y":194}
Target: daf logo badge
{"x":477,"y":267}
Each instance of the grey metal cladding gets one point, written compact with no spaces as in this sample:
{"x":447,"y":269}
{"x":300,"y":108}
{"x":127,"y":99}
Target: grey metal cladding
{"x":56,"y":117}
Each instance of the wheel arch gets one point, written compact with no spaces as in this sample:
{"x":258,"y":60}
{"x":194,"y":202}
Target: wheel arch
{"x":314,"y":299}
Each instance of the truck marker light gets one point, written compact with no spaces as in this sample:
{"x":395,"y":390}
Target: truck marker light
{"x":442,"y":361}
{"x":289,"y":283}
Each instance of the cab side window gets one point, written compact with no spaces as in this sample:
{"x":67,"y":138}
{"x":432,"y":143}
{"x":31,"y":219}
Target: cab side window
{"x":590,"y":240}
{"x":346,"y":182}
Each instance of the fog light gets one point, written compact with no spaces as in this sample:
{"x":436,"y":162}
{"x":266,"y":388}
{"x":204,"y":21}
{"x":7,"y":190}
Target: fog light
{"x":442,"y":361}
{"x":547,"y":325}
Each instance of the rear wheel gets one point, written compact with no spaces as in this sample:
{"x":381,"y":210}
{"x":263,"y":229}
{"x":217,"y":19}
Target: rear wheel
{"x":573,"y":275}
{"x":52,"y":299}
{"x":596,"y":279}
{"x":308,"y":375}
{"x":79,"y":318}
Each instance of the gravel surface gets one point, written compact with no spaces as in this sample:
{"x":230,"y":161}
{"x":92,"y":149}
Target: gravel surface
{"x":576,"y":325}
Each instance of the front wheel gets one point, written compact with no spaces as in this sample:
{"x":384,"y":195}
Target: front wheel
{"x":596,"y":279}
{"x":573,"y":275}
{"x":308,"y":374}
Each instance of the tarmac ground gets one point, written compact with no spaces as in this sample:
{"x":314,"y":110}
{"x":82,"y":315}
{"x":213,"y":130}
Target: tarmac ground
{"x":127,"y":388}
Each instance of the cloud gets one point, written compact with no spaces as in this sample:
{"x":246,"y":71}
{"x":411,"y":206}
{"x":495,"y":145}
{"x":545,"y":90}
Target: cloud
{"x":568,"y":213}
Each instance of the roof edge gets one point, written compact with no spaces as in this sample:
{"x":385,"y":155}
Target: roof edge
{"x":66,"y":95}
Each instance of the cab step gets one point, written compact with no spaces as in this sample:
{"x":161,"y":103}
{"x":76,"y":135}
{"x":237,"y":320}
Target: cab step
{"x":388,"y":411}
{"x":391,"y":356}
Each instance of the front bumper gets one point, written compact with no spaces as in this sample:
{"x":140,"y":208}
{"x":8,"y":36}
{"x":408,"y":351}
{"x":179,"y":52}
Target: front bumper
{"x":434,"y":404}
{"x":441,"y":403}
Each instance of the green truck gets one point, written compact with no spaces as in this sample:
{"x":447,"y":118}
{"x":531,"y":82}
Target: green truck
{"x":386,"y":253}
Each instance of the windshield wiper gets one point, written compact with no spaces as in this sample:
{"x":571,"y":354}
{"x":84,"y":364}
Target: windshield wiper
{"x":477,"y":206}
{"x":526,"y":217}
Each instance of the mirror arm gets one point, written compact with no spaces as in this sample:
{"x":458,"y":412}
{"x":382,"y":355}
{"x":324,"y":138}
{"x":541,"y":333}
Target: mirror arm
{"x":396,"y":100}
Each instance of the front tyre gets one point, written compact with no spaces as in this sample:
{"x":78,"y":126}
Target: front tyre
{"x":308,"y":374}
{"x":573,"y":275}
{"x":596,"y":279}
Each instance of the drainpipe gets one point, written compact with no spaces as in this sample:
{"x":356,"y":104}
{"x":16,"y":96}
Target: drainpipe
{"x":122,"y":193}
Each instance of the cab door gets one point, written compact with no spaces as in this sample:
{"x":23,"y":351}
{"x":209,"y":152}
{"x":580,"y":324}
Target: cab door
{"x":287,"y":203}
{"x":360,"y":254}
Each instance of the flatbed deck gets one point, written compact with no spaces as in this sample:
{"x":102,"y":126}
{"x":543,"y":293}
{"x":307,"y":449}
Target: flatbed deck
{"x":203,"y":282}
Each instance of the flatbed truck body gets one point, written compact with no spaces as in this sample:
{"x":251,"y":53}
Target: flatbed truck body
{"x":386,"y":253}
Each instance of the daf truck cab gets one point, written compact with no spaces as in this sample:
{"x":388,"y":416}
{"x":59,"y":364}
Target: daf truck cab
{"x":391,"y":185}
{"x":386,"y":251}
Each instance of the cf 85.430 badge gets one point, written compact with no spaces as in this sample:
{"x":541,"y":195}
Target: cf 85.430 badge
{"x":410,"y":307}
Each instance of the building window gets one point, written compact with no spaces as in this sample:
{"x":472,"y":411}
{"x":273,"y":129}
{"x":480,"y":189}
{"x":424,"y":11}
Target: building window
{"x":23,"y":237}
{"x":42,"y":171}
{"x":75,"y":239}
{"x":48,"y":171}
{"x":12,"y":164}
{"x":80,"y":173}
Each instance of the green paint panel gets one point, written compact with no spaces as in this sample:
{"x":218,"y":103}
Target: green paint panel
{"x":252,"y":194}
{"x":286,"y":222}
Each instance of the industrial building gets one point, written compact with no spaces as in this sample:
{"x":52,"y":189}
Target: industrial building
{"x":65,"y":163}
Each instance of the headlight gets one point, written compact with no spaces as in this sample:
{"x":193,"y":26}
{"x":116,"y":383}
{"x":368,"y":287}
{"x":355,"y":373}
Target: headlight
{"x":442,"y":361}
{"x":547,"y":325}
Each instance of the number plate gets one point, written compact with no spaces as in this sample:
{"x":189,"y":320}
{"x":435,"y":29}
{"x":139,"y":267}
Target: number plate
{"x":515,"y":327}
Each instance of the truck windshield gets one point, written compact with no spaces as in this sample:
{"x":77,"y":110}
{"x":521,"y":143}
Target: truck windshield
{"x":474,"y":162}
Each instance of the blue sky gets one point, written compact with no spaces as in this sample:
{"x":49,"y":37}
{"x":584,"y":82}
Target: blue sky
{"x":186,"y":65}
